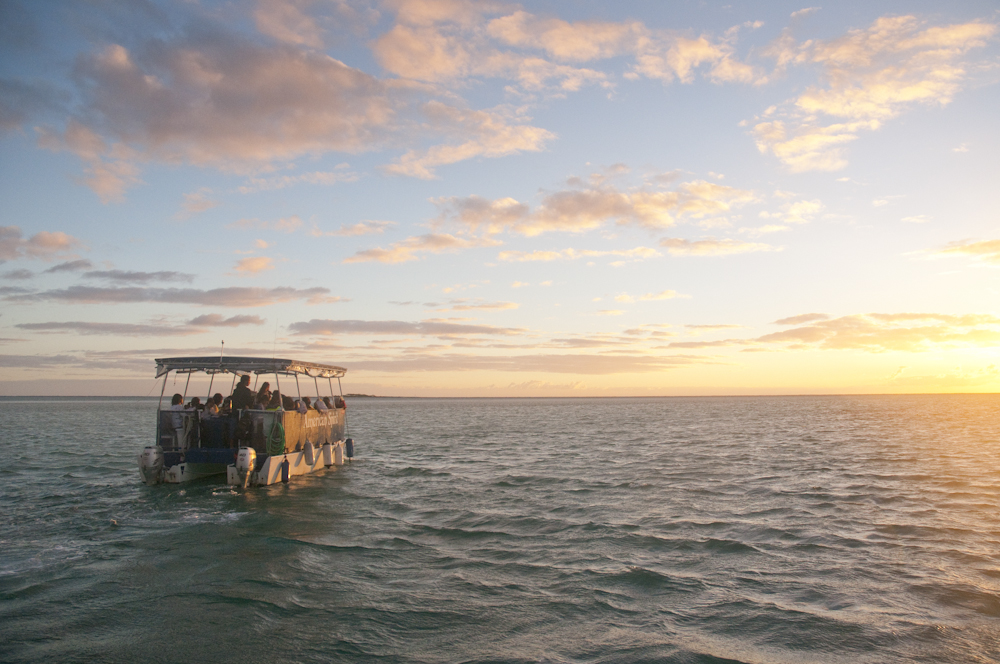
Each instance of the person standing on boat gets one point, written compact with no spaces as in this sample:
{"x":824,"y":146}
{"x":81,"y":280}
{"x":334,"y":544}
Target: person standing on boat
{"x":243,"y":395}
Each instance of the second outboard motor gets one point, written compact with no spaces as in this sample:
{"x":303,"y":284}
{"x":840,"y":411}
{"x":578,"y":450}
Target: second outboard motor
{"x":151,"y":464}
{"x":246,"y":461}
{"x":349,"y":448}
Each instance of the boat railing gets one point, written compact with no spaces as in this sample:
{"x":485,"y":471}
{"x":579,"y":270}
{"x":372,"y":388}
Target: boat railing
{"x":268,"y":432}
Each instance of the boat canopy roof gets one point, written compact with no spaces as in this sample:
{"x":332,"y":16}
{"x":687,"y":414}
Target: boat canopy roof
{"x":257,"y":365}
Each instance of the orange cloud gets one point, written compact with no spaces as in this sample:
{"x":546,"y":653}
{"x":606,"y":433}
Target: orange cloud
{"x":410,"y":248}
{"x":987,"y":251}
{"x":874,"y":74}
{"x":254,"y":264}
{"x":44,"y":245}
{"x":712,"y":247}
{"x":577,"y":210}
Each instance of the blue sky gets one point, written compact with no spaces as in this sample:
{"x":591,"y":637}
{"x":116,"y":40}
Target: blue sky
{"x":502,"y":199}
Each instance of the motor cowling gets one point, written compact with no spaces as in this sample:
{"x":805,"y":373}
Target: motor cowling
{"x":246,"y":462}
{"x":151,"y":464}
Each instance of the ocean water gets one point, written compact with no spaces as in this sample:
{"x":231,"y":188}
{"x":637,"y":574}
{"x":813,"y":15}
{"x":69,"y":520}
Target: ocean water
{"x":760,"y":529}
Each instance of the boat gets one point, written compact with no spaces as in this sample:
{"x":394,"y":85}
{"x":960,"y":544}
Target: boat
{"x":251,"y":447}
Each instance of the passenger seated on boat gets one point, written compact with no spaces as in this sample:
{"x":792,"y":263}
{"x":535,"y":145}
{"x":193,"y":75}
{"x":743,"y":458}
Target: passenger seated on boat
{"x":195,"y":404}
{"x":275,"y":402}
{"x":177,"y":402}
{"x":243,"y":396}
{"x":320,"y":405}
{"x":338,"y":402}
{"x":288,"y":403}
{"x":300,"y":405}
{"x":264,"y":393}
{"x":329,"y":404}
{"x":212,"y":406}
{"x":227,"y":406}
{"x":308,"y":402}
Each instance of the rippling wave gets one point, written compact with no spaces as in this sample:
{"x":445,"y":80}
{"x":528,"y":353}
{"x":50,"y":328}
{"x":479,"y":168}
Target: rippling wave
{"x":765,"y":529}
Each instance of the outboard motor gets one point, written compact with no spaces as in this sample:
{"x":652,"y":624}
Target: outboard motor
{"x":151,"y":464}
{"x":246,"y":461}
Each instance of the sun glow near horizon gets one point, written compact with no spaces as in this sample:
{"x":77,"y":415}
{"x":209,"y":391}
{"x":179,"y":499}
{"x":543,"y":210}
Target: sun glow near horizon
{"x":456,"y":198}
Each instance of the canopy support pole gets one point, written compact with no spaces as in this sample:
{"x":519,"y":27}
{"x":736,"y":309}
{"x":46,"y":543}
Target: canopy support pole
{"x":163,"y":391}
{"x":297,"y":388}
{"x":186,"y":386}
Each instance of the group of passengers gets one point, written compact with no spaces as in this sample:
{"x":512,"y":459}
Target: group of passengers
{"x":264,"y":399}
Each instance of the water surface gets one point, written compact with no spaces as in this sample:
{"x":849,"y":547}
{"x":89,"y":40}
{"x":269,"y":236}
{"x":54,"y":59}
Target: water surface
{"x":758,"y":529}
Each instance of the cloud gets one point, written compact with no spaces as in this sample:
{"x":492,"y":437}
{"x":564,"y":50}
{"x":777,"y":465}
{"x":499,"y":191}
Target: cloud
{"x":326,"y":178}
{"x":712,"y":247}
{"x":129,"y":277}
{"x":916,"y":219}
{"x":909,"y":332}
{"x":478,"y":134}
{"x":610,"y":312}
{"x":112,"y":329}
{"x":157,"y":329}
{"x":393,"y":327}
{"x":214,"y":97}
{"x":458,"y":41}
{"x":873,"y":75}
{"x":70,"y":266}
{"x":43,"y":245}
{"x":638,"y":253}
{"x":569,"y":363}
{"x":516,"y":284}
{"x":410,"y":248}
{"x":286,"y":21}
{"x":577,"y":210}
{"x":254,"y":264}
{"x":217,"y":297}
{"x":284,"y":225}
{"x":195,"y":203}
{"x":662,"y":295}
{"x":18,"y":274}
{"x":987,"y":251}
{"x":800,"y":319}
{"x":360,"y":228}
{"x":480,"y":305}
{"x":217,"y":320}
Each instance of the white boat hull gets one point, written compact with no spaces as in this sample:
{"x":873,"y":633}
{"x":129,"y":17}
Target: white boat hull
{"x":271,"y":470}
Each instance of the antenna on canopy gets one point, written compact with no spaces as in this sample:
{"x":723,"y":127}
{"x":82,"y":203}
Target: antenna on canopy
{"x":223,"y":351}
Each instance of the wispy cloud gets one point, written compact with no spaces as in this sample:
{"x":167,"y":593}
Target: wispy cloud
{"x":712,"y":247}
{"x":591,"y":206}
{"x":131,"y":277}
{"x":218,"y":297}
{"x":157,"y":329}
{"x":910,"y":332}
{"x":354,"y":230}
{"x":394,"y":327}
{"x":43,"y":245}
{"x":254,"y":264}
{"x":411,"y":248}
{"x":284,"y":225}
{"x":874,"y":74}
{"x":987,"y":251}
{"x":70,"y":266}
{"x":638,"y":253}
{"x":195,"y":203}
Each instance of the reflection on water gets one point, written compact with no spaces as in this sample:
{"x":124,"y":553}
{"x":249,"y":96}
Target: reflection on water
{"x":826,"y":529}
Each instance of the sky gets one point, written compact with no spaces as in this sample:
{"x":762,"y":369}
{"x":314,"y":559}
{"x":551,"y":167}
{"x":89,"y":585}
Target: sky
{"x":463,"y":198}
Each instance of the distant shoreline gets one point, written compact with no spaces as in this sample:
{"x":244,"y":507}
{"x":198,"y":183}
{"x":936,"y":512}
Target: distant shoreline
{"x":593,"y":398}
